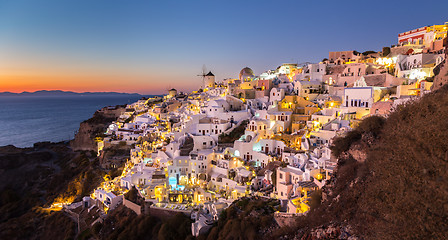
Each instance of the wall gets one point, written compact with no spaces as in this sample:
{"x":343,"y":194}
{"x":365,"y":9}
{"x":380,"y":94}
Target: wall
{"x":134,"y":207}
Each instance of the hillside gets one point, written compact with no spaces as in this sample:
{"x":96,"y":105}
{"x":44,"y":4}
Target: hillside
{"x":441,"y":72}
{"x":391,"y":183}
{"x":33,"y":178}
{"x":95,"y":126}
{"x":392,"y":178}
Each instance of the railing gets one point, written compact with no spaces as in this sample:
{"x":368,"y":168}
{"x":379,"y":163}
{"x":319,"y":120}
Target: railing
{"x":73,"y":205}
{"x":287,"y":215}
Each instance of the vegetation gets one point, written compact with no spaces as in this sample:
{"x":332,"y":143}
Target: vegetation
{"x":247,"y":218}
{"x":370,"y":127}
{"x":235,"y":134}
{"x":391,"y":180}
{"x":35,"y":177}
{"x":386,"y":51}
{"x":133,"y":196}
{"x":123,"y":223}
{"x":99,"y":118}
{"x":368,"y":52}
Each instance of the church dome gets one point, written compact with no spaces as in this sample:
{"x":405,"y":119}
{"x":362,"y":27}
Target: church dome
{"x":246,"y":72}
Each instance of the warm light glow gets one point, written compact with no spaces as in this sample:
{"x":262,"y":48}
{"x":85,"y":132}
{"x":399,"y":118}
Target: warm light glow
{"x":386,"y":61}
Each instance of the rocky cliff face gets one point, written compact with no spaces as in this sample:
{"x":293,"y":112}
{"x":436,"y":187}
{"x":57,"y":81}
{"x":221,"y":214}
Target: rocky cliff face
{"x":391,"y":179}
{"x":89,"y":129}
{"x":31,"y":178}
{"x":441,"y":72}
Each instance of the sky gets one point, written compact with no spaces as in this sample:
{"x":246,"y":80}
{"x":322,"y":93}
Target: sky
{"x":148,"y":46}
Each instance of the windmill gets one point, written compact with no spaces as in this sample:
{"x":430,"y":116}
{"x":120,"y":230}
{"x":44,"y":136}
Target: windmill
{"x":168,"y":88}
{"x":204,"y":73}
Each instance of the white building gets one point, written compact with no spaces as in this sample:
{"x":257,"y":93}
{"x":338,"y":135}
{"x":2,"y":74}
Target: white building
{"x":358,"y":97}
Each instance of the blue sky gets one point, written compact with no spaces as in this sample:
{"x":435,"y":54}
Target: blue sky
{"x":148,"y":46}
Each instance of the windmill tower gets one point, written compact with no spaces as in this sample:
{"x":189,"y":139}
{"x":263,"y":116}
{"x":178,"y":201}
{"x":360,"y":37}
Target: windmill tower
{"x":204,"y":73}
{"x":208,"y":79}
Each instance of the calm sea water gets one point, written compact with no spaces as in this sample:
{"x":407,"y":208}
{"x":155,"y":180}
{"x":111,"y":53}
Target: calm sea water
{"x":26,"y":120}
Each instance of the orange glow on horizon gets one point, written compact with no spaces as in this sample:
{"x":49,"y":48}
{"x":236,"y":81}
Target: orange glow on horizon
{"x":18,"y":83}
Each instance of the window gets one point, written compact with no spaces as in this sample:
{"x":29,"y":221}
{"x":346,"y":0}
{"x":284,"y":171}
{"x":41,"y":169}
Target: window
{"x":204,"y":143}
{"x":281,"y":175}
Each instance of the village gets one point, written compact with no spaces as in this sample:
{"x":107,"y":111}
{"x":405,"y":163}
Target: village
{"x":266,"y":135}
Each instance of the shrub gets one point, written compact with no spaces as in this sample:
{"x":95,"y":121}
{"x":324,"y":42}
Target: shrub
{"x":371,"y":126}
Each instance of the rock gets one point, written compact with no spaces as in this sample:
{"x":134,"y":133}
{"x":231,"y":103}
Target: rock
{"x":85,"y":138}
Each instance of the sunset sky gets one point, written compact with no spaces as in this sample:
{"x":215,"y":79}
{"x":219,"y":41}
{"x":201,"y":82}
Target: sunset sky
{"x":150,"y":46}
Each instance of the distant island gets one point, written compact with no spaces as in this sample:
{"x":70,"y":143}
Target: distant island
{"x":58,"y":93}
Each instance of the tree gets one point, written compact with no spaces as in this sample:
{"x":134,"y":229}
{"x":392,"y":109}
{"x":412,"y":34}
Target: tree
{"x":386,"y":51}
{"x":368,"y":52}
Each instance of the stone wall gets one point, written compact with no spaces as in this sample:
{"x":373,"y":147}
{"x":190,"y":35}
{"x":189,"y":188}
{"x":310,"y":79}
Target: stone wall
{"x":134,"y":207}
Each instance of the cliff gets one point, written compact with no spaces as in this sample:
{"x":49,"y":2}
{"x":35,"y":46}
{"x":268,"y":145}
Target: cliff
{"x":391,"y":179}
{"x":32,"y":178}
{"x":441,"y":71}
{"x":95,"y":126}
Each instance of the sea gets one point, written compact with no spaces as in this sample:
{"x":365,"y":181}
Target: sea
{"x":25,"y":120}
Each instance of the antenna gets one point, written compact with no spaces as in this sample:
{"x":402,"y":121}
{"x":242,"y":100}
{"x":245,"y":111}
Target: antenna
{"x":204,"y":73}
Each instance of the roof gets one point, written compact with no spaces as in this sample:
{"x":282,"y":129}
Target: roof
{"x":243,"y":172}
{"x":205,"y":151}
{"x":210,"y":74}
{"x":337,"y":69}
{"x":375,"y":80}
{"x":246,"y":72}
{"x":291,"y":169}
{"x":241,"y":189}
{"x":307,"y":184}
{"x":310,"y":82}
